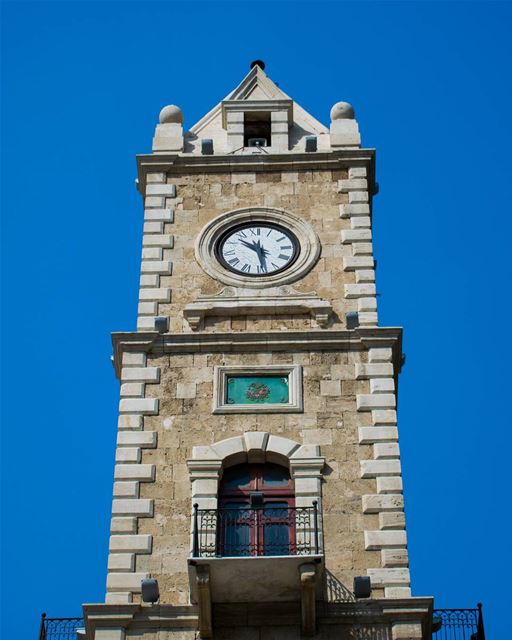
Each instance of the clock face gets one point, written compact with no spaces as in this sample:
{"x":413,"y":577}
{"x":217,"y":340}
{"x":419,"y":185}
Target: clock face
{"x":257,"y":249}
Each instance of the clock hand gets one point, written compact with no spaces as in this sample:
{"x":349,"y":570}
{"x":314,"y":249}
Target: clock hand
{"x":249,"y":246}
{"x":261,"y":255}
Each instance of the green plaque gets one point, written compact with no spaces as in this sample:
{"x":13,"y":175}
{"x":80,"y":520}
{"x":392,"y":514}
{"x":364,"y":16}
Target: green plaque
{"x":257,"y":390}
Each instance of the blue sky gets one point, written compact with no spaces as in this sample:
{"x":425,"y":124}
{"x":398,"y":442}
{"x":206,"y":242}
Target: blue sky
{"x":82,"y":86}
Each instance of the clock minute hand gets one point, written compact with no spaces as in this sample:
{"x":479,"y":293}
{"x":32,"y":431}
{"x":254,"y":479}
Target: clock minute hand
{"x":261,"y":256}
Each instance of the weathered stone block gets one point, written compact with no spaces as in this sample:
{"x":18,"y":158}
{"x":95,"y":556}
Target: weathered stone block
{"x":125,"y":582}
{"x":142,"y":374}
{"x":132,"y":507}
{"x":145,"y":439}
{"x":374,"y":468}
{"x":134,"y":543}
{"x":142,"y":472}
{"x":367,"y":402}
{"x":373,"y":503}
{"x":379,"y":539}
{"x":147,"y":406}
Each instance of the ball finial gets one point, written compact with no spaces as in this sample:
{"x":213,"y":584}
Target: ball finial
{"x":258,"y":63}
{"x":171,"y":114}
{"x":342,"y":111}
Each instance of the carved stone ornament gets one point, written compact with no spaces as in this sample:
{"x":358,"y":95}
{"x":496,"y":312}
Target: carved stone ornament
{"x":210,"y":235}
{"x":232,"y":301}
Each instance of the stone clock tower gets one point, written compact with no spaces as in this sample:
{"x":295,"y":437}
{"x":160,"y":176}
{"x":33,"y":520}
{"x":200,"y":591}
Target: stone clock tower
{"x":257,"y":476}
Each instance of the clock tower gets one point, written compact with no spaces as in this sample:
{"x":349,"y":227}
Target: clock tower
{"x":257,"y":483}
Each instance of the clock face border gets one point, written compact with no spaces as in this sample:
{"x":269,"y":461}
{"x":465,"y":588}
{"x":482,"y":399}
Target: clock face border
{"x":255,"y":223}
{"x":208,"y":238}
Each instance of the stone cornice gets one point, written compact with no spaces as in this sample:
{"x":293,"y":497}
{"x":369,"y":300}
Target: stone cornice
{"x":183,"y":163}
{"x":122,"y":616}
{"x":316,"y":340}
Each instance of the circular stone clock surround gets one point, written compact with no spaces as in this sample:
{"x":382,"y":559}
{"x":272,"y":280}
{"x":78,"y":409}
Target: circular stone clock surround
{"x":212,"y":232}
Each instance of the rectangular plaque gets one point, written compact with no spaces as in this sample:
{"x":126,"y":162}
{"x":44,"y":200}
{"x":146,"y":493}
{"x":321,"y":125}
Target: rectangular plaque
{"x":257,"y":390}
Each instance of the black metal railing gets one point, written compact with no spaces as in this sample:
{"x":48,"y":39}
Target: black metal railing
{"x":263,"y":531}
{"x":458,"y":624}
{"x":60,"y":628}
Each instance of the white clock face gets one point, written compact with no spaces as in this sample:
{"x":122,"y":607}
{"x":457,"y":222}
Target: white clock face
{"x":258,"y":249}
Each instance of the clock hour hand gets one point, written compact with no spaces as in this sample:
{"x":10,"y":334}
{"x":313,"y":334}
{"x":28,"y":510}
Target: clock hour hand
{"x":252,"y":246}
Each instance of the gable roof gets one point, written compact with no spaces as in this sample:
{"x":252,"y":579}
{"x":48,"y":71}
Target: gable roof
{"x":258,"y":86}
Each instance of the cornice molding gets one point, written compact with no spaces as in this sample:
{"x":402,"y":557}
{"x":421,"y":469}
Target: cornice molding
{"x":291,"y":161}
{"x":360,"y":338}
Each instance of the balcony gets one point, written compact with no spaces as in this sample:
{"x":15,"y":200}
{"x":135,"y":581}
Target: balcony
{"x":264,"y":553}
{"x":61,"y":628}
{"x":458,"y":624}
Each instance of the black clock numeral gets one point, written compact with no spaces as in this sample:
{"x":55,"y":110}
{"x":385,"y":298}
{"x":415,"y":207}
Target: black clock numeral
{"x":275,"y":265}
{"x":255,"y":233}
{"x":229,"y":253}
{"x":269,"y":232}
{"x":241,"y":234}
{"x":233,"y":261}
{"x":286,"y":246}
{"x":261,"y":269}
{"x":246,"y":267}
{"x":283,"y":256}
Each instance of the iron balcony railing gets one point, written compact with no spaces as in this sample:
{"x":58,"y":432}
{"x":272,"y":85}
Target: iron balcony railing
{"x":458,"y":624}
{"x":60,"y":628}
{"x":262,"y":531}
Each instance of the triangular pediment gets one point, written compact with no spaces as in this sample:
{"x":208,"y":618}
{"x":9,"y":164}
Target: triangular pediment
{"x":256,"y":86}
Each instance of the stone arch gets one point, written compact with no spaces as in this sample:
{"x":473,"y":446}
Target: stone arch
{"x":207,"y":462}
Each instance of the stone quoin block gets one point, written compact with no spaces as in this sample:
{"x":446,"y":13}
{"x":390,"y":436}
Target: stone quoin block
{"x":367,"y":402}
{"x":148,"y":406}
{"x":374,"y":468}
{"x":379,"y":370}
{"x":163,"y":240}
{"x":142,"y":472}
{"x":355,"y":235}
{"x":349,"y":210}
{"x":167,"y":190}
{"x":379,"y":539}
{"x":135,"y":543}
{"x":140,"y":374}
{"x":373,"y":503}
{"x":369,"y":435}
{"x":164,"y":215}
{"x":125,"y":581}
{"x":132,"y":507}
{"x":146,"y":439}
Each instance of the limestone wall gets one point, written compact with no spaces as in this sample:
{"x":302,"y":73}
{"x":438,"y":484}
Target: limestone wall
{"x":334,"y":203}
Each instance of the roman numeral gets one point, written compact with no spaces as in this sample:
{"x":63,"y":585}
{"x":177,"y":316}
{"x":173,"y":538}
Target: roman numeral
{"x":261,"y":269}
{"x":241,"y":234}
{"x":282,"y":256}
{"x":246,"y":267}
{"x":254,"y":232}
{"x":229,"y":253}
{"x":233,"y":261}
{"x":275,"y":265}
{"x":287,"y":246}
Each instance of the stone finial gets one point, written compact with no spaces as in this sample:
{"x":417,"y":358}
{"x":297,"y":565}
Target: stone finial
{"x":342,"y":111}
{"x":169,"y":133}
{"x":171,"y":114}
{"x":344,"y":130}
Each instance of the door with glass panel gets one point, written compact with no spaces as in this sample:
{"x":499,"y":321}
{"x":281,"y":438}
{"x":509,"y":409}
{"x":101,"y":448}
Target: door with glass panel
{"x":256,"y":511}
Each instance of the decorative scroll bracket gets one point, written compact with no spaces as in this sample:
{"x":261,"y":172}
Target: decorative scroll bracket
{"x":232,"y":301}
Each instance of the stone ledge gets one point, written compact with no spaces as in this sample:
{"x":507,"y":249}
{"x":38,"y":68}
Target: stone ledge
{"x":227,"y":303}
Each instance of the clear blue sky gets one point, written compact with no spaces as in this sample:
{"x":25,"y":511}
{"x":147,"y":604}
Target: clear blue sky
{"x":82,"y":87}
